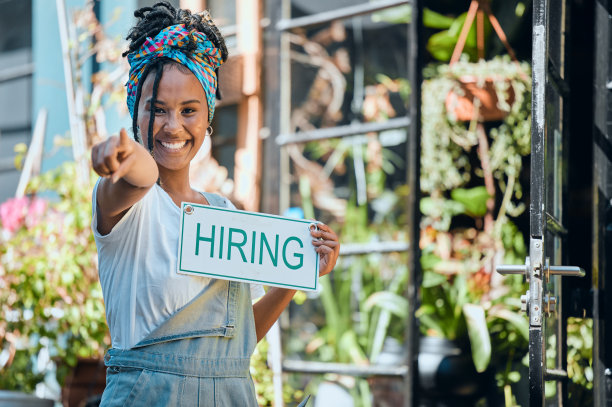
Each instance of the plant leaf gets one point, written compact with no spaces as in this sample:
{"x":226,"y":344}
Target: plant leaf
{"x":388,"y":301}
{"x":431,"y":19}
{"x":473,"y":199}
{"x":440,"y":45}
{"x":351,"y":351}
{"x":395,"y":15}
{"x":479,"y":335}
{"x":429,"y":260}
{"x":432,"y":279}
{"x":519,"y":321}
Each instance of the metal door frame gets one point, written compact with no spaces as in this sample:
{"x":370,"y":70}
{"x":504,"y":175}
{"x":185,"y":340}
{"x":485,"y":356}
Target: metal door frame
{"x":545,"y":225}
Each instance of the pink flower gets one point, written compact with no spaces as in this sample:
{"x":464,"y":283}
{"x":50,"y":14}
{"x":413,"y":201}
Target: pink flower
{"x":16,"y":212}
{"x":35,"y":211}
{"x":12,"y":213}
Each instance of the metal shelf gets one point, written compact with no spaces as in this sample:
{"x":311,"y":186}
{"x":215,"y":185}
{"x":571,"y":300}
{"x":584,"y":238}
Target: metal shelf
{"x":342,"y":131}
{"x":338,"y":14}
{"x":302,"y":366}
{"x":351,"y":249}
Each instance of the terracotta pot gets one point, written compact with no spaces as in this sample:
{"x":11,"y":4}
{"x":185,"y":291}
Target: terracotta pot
{"x":86,"y":381}
{"x":462,"y":106}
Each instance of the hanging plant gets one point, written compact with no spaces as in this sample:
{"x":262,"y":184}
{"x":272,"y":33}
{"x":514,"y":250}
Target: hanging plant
{"x":447,"y":138}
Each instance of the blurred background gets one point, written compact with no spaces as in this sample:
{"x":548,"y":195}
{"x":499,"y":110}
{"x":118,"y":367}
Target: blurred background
{"x":377,"y":117}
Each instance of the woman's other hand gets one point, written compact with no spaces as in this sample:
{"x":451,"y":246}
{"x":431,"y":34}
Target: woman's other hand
{"x":327,"y":245}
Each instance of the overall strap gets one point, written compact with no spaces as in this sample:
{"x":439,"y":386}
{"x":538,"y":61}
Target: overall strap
{"x":216,"y":200}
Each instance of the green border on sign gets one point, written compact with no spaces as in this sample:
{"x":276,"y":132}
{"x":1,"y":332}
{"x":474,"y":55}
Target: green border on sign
{"x":263,"y":215}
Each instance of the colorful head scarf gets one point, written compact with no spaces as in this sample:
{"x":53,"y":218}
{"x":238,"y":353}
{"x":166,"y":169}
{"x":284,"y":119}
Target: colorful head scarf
{"x":173,"y":42}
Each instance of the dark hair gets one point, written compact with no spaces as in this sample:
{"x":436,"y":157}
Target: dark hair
{"x":151,"y":20}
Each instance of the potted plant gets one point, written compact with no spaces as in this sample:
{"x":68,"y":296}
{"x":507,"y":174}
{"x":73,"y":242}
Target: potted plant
{"x":51,"y":301}
{"x":461,"y":317}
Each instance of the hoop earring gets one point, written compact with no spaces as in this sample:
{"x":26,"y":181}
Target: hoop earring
{"x":209,"y":131}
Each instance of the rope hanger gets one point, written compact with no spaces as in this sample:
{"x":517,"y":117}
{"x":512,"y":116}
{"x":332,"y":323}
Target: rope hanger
{"x":477,"y":9}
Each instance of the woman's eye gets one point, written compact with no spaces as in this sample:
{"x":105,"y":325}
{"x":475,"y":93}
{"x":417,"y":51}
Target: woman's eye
{"x":158,"y":110}
{"x":188,"y":110}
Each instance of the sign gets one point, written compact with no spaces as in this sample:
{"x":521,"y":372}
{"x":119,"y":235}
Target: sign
{"x":247,"y":246}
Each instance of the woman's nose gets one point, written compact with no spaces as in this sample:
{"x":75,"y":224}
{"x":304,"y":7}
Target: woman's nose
{"x":173,"y":123}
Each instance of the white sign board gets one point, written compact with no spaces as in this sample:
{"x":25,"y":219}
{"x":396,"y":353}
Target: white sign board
{"x":247,"y":246}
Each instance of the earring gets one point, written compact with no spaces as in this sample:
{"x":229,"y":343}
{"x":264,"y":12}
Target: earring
{"x":209,"y":131}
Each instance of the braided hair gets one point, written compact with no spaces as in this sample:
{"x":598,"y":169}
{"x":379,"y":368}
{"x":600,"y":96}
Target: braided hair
{"x":152,"y":20}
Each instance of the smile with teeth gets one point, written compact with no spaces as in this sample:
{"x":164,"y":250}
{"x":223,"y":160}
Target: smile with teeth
{"x":177,"y":145}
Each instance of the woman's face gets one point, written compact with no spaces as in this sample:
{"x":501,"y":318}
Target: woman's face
{"x":181,"y":117}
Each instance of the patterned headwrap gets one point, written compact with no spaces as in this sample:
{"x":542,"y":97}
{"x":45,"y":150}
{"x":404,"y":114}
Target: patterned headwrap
{"x":174,"y":42}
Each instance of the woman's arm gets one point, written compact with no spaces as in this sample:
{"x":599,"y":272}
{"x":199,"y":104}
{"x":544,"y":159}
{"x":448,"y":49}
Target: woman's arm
{"x":267,"y":310}
{"x":129,"y":172}
{"x":269,"y":307}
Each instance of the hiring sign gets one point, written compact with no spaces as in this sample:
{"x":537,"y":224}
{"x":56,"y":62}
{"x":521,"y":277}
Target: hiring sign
{"x":247,"y":246}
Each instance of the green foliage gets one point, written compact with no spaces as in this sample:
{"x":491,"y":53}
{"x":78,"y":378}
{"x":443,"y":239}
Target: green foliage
{"x":462,"y":299}
{"x":362,"y":300}
{"x":50,"y":299}
{"x":441,"y":312}
{"x":580,"y":361}
{"x":474,"y":200}
{"x":263,"y":379}
{"x":441,"y":45}
{"x":478,"y":333}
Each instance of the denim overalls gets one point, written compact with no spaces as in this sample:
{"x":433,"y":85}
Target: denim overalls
{"x":183,"y":362}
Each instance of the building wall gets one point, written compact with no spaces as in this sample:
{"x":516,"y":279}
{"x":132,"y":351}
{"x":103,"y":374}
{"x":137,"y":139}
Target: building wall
{"x":15,"y":88}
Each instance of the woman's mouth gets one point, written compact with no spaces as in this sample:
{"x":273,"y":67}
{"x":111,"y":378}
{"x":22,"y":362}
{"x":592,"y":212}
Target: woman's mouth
{"x":174,"y":145}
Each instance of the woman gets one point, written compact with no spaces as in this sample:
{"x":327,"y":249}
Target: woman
{"x":176,"y":339}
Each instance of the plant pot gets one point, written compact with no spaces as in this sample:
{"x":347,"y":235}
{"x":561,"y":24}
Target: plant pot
{"x":86,"y":381}
{"x":462,"y":104}
{"x":446,"y":371}
{"x":388,"y":391}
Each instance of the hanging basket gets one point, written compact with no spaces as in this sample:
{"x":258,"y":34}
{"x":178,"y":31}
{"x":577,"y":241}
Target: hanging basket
{"x":476,"y":98}
{"x":460,"y":101}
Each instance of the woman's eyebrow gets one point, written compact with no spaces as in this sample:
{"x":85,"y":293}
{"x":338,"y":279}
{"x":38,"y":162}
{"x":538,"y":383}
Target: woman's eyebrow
{"x":161,"y":102}
{"x":157,"y":102}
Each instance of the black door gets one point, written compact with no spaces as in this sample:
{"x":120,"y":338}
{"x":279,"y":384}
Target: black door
{"x":602,"y":204}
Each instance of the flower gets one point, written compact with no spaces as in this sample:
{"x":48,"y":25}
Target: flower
{"x":12,"y":213}
{"x":17,"y":212}
{"x":36,"y":209}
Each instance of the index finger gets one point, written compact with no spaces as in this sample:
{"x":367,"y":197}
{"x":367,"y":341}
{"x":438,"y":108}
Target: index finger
{"x":124,"y":139}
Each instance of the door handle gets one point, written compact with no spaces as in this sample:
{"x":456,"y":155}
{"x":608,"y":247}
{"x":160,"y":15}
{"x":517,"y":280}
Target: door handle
{"x":567,"y":271}
{"x":506,"y":269}
{"x":546,"y":303}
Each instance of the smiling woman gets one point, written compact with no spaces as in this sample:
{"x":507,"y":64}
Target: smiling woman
{"x":176,"y":339}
